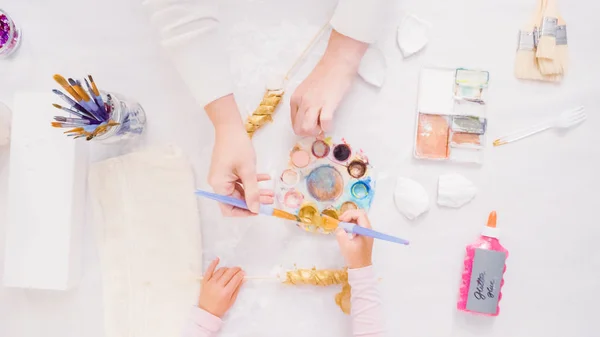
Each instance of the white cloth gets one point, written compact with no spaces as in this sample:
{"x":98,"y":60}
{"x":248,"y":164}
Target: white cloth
{"x":189,"y":30}
{"x":148,"y":235}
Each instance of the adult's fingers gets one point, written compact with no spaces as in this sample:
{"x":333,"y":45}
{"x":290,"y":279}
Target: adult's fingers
{"x":263,"y":177}
{"x":297,"y":121}
{"x":221,"y":184}
{"x":231,"y":211}
{"x":247,"y":175}
{"x":210,"y":270}
{"x":294,"y":105}
{"x":305,"y":124}
{"x":266,"y":193}
{"x":310,"y":122}
{"x":229,"y":274}
{"x":358,"y":216}
{"x":228,"y":188}
{"x":326,"y":118}
{"x":237,"y":212}
{"x":266,"y":200}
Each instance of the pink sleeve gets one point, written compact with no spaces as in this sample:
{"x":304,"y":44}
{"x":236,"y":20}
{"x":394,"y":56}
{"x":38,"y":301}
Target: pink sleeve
{"x":202,"y":324}
{"x":366,"y":312}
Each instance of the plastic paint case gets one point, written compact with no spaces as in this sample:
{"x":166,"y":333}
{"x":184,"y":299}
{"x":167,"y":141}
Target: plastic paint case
{"x":451,"y":115}
{"x":334,"y":178}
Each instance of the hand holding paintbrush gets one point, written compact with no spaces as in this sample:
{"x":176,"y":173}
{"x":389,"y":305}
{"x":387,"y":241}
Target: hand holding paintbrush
{"x":322,"y":221}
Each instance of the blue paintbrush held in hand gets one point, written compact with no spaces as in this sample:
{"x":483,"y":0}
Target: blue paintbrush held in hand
{"x":271,"y":211}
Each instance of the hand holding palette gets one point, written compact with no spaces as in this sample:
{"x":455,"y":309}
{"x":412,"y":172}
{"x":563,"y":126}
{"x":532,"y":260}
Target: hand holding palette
{"x":326,"y":178}
{"x":451,"y":122}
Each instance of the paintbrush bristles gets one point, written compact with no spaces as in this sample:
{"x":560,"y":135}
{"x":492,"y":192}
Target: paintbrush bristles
{"x":94,"y":87}
{"x":526,"y":64}
{"x":562,"y":47}
{"x":546,"y":47}
{"x":79,"y":90}
{"x":551,"y":49}
{"x":63,"y":83}
{"x":89,"y":88}
{"x":285,"y":215}
{"x":94,"y":116}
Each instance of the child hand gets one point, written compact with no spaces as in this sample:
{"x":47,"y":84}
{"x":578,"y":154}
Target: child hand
{"x":220,"y":288}
{"x":356,"y":250}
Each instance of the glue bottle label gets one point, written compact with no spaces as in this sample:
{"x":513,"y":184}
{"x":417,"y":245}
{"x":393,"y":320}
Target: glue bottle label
{"x":486,"y":278}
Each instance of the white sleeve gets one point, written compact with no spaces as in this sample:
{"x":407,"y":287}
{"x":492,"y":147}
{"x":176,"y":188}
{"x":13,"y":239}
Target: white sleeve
{"x":189,"y":31}
{"x":361,"y":20}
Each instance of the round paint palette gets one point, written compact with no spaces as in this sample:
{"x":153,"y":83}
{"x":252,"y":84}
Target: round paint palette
{"x":327,"y":178}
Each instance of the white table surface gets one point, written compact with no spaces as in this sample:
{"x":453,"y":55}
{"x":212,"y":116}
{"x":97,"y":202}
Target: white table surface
{"x":545,"y":188}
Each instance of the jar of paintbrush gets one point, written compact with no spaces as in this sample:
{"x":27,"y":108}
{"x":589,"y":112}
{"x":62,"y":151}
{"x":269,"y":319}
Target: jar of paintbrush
{"x":96,"y":115}
{"x":10,"y":35}
{"x":129,"y":115}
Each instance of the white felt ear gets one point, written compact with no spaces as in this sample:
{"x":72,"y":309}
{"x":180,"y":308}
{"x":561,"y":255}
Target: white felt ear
{"x":5,"y":121}
{"x":411,"y":198}
{"x":413,"y":35}
{"x":455,"y":190}
{"x":372,"y":67}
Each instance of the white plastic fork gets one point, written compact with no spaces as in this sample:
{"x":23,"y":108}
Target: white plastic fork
{"x":565,"y":120}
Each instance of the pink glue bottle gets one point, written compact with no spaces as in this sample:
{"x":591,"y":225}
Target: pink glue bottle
{"x":483,"y":273}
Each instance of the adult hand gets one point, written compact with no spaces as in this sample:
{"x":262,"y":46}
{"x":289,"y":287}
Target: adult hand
{"x":318,"y":96}
{"x":220,"y":288}
{"x":357,"y":250}
{"x":233,"y":164}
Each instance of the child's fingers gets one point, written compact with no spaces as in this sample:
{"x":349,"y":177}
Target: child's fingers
{"x":218,"y":274}
{"x":228,"y":275}
{"x":210,"y":270}
{"x":356,"y":215}
{"x":341,"y":237}
{"x":235,"y":284}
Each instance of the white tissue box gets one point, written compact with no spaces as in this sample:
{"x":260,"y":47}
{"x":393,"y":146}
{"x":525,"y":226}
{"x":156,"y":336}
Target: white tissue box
{"x":46,"y":199}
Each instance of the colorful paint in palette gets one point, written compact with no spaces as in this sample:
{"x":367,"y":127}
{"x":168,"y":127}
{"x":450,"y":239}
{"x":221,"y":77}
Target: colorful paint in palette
{"x":451,"y":116}
{"x":325,"y":178}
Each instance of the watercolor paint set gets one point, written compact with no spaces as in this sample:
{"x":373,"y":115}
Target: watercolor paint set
{"x":323,"y":177}
{"x":451,"y":118}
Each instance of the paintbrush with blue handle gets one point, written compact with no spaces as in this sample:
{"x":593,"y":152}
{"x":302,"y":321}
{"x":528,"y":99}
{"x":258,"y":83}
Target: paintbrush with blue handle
{"x":328,"y":221}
